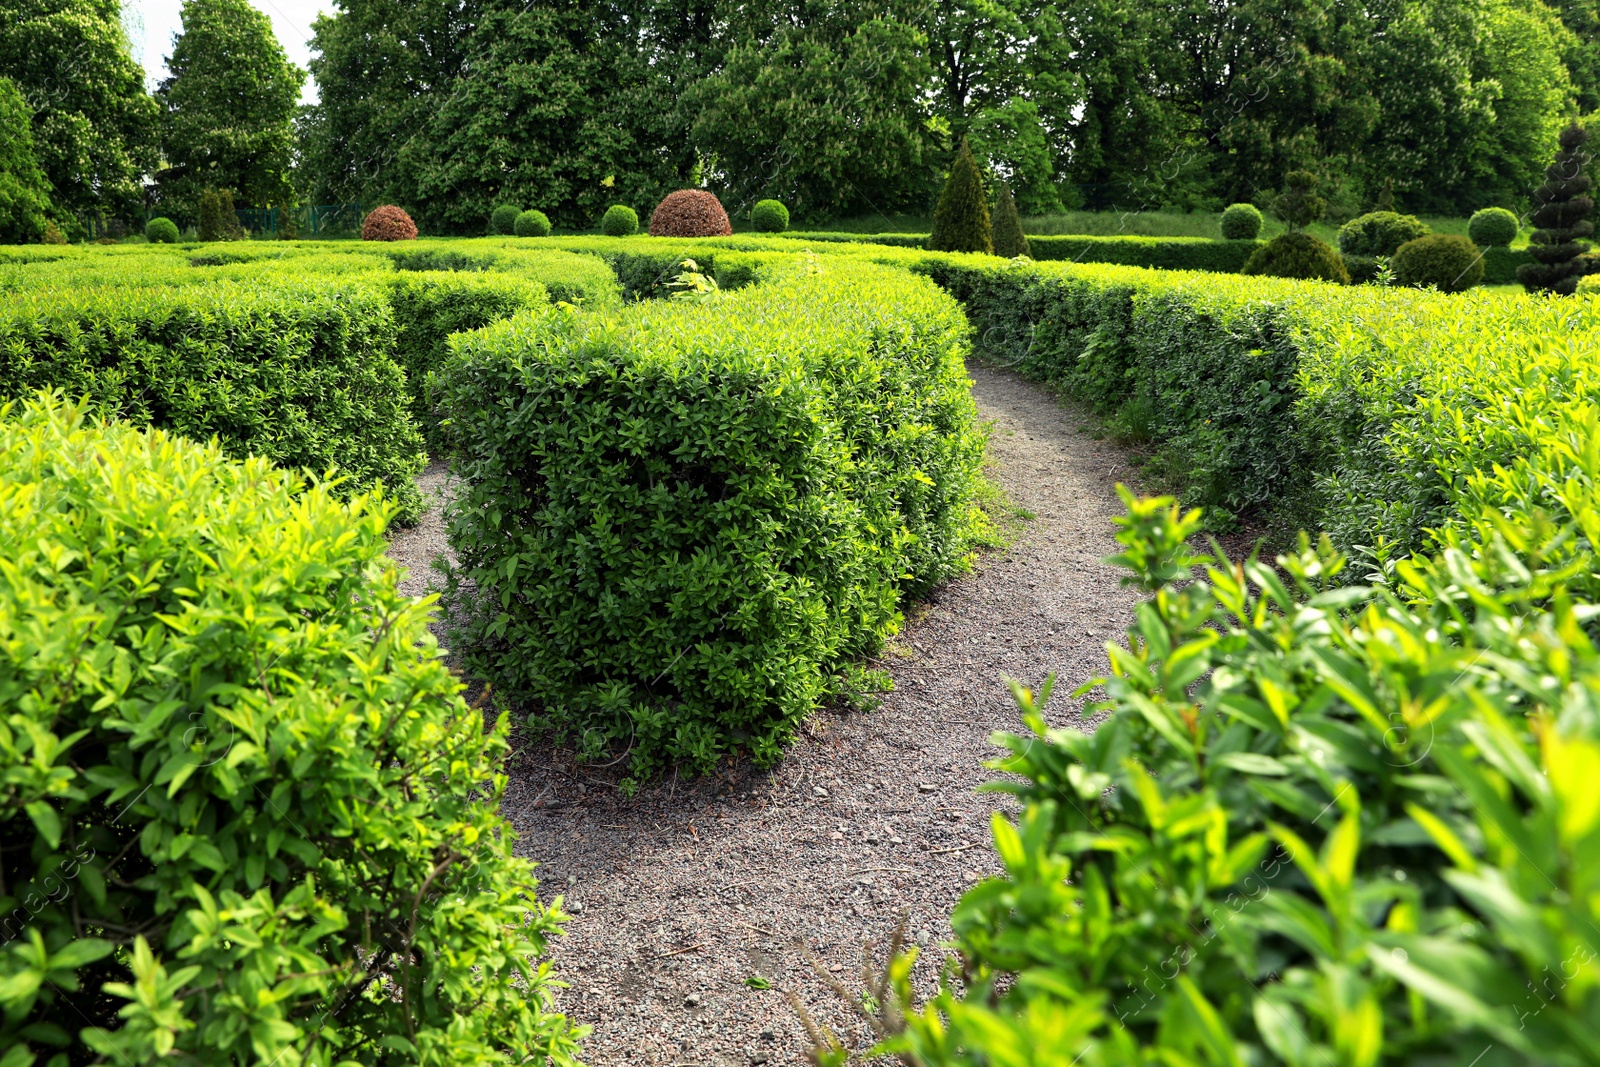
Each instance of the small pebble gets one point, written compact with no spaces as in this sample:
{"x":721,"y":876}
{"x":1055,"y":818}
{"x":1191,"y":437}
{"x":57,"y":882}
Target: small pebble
{"x":819,"y":791}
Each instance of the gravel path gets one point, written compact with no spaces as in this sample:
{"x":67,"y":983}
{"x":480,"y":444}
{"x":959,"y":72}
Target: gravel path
{"x":686,"y":891}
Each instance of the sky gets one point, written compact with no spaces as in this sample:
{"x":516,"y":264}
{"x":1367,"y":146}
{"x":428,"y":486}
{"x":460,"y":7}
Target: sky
{"x":291,"y":21}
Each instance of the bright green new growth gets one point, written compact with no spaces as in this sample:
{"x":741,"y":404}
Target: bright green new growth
{"x":161,"y":231}
{"x":1297,"y":254}
{"x":1009,"y":240}
{"x":25,"y":206}
{"x":769,"y":216}
{"x":503,"y":219}
{"x":247,"y":807}
{"x":1493,"y":227}
{"x":532,"y":223}
{"x":1379,"y":233}
{"x":1241,"y":222}
{"x":619,"y":221}
{"x":1450,"y":263}
{"x":961,"y":219}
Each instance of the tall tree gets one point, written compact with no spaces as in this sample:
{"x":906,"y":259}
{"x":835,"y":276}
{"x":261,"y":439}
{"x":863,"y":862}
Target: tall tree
{"x":228,"y":107}
{"x":25,"y":207}
{"x":94,"y":126}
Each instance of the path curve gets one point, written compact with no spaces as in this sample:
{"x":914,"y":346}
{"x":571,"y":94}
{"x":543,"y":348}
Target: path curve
{"x":686,"y":891}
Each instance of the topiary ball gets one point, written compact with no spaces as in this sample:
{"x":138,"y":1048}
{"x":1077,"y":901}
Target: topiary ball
{"x":161,"y":231}
{"x":1450,"y":263}
{"x":690,"y":213}
{"x":769,"y":216}
{"x":1493,"y":227}
{"x":532,"y":223}
{"x":619,"y":221}
{"x":1379,"y":233}
{"x":1298,"y":255}
{"x":1241,"y":222}
{"x":388,"y":223}
{"x":503,"y":219}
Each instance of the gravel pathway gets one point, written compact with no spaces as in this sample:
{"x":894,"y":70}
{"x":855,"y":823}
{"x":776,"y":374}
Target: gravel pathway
{"x":682,"y":894}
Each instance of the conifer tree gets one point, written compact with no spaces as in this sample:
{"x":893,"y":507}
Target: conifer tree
{"x":1561,"y":211}
{"x":1009,"y":240}
{"x":961,"y":220}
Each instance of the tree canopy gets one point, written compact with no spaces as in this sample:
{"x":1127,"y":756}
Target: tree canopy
{"x":24,"y":191}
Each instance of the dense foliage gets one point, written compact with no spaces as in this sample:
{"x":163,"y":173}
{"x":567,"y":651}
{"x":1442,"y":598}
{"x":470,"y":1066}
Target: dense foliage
{"x":1299,"y":204}
{"x":961,"y":219}
{"x":531,"y":223}
{"x":1009,"y":240}
{"x":388,"y":223}
{"x":1444,"y":261}
{"x":1561,"y":213}
{"x":1297,"y":254}
{"x":503,"y":219}
{"x":619,"y":221}
{"x":690,"y":213}
{"x":217,"y":219}
{"x":161,"y":231}
{"x":769,"y":216}
{"x":249,"y":817}
{"x":1380,"y":233}
{"x":1241,"y":222}
{"x":1493,"y":227}
{"x":25,"y":206}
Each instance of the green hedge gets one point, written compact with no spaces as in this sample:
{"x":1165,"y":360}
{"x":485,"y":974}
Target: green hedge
{"x":679,"y":521}
{"x":302,"y":375}
{"x":1170,"y":253}
{"x":248,"y":817}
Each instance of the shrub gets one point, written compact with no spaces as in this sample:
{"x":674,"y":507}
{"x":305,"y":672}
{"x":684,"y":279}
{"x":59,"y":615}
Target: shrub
{"x":769,"y":216}
{"x":690,"y":213}
{"x":503,"y":219}
{"x":1009,"y":240}
{"x":161,"y":231}
{"x":1445,"y":261}
{"x":1241,"y":222}
{"x":218,"y":219}
{"x":250,"y":817}
{"x":961,"y":218}
{"x":1362,"y":269}
{"x":1561,"y":213}
{"x":1379,"y":233}
{"x":1297,"y":255}
{"x":680,"y":521}
{"x":533,"y":223}
{"x":1299,"y":205}
{"x":619,"y":221}
{"x":1493,"y":227}
{"x":388,"y":223}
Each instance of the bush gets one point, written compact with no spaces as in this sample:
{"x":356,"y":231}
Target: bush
{"x":961,"y":218}
{"x":503,"y":220}
{"x":1379,"y":233}
{"x":1299,"y":205}
{"x":769,"y":216}
{"x":1362,"y":269}
{"x":1297,"y":255}
{"x":161,"y":231}
{"x":1450,"y":263}
{"x":1241,"y":222}
{"x":388,"y":223}
{"x":533,"y":223}
{"x":619,"y":221}
{"x":218,"y":219}
{"x":1493,"y":227}
{"x":690,"y":213}
{"x":1319,"y":820}
{"x":1009,"y":240}
{"x":249,"y":816}
{"x":680,"y":521}
{"x":1561,"y":212}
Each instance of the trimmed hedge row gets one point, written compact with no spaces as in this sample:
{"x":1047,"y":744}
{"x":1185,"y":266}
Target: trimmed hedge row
{"x":680,"y":521}
{"x":1168,"y":253}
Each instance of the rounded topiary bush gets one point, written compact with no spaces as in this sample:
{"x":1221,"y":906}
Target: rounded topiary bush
{"x":690,"y":213}
{"x":769,"y":216}
{"x":388,"y":223}
{"x":1450,"y":263}
{"x":532,"y":223}
{"x":1297,"y":255}
{"x":1241,"y":222}
{"x":619,"y":221}
{"x":503,"y":219}
{"x":1493,"y":227}
{"x":1379,"y":233}
{"x":161,"y":231}
{"x":234,"y":752}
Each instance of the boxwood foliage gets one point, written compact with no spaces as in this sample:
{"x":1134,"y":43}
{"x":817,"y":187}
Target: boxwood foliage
{"x":302,"y":375}
{"x":1169,"y":253}
{"x":248,"y":816}
{"x":677,"y":521}
{"x":1322,"y":825}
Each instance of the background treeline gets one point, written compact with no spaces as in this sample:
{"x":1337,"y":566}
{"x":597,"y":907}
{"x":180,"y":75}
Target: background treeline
{"x":449,"y":107}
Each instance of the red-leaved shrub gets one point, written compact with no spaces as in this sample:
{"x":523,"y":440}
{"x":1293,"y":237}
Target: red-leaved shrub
{"x":690,"y":213}
{"x":388,"y":223}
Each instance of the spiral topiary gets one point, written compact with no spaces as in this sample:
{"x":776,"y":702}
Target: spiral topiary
{"x":1450,"y":263}
{"x":388,"y":223}
{"x":503,"y":219}
{"x":619,"y":221}
{"x":532,"y":223}
{"x":1298,"y":255}
{"x":162,"y":231}
{"x":769,"y":216}
{"x":690,"y":213}
{"x":1493,"y":227}
{"x":1561,"y":209}
{"x":1241,"y":222}
{"x":1379,"y":233}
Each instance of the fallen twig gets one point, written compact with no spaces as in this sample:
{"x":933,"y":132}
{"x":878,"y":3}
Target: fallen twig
{"x":679,"y":951}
